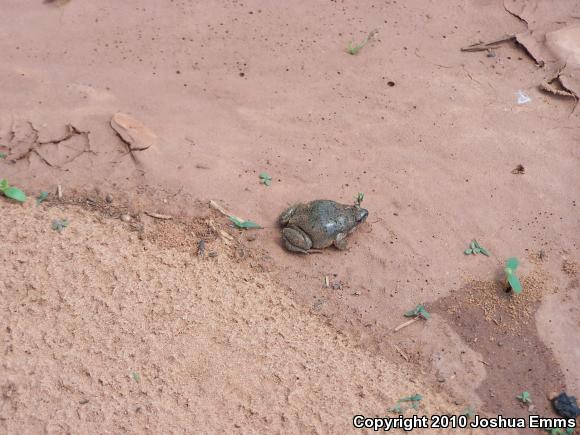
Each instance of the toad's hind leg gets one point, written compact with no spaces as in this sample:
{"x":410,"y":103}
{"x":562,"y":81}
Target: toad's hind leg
{"x":296,"y":240}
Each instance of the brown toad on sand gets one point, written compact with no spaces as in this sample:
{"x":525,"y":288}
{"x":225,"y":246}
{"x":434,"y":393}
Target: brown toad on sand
{"x":319,"y":224}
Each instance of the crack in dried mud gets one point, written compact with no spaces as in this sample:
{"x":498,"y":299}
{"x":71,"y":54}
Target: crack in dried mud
{"x":36,"y":144}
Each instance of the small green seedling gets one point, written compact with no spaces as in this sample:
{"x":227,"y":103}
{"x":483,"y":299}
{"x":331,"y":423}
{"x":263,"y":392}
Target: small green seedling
{"x":417,"y":313}
{"x":558,"y":431}
{"x":265,"y":179}
{"x":512,"y":282}
{"x":3,"y":155}
{"x":469,"y":412}
{"x":136,"y":376}
{"x":11,"y":192}
{"x":358,"y":199}
{"x":59,"y":224}
{"x":356,"y":48}
{"x":243,"y":224}
{"x":524,"y":397}
{"x":476,"y":248}
{"x":41,"y":197}
{"x":413,"y":401}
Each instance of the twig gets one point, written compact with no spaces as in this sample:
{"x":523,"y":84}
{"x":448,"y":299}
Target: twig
{"x":59,"y":191}
{"x":483,"y":362}
{"x":483,"y":46}
{"x":158,"y":216}
{"x":403,"y":354}
{"x":218,"y":207}
{"x":227,"y":238}
{"x":407,"y":323}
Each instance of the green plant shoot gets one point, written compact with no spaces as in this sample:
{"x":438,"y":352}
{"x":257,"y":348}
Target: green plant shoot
{"x":414,"y":402}
{"x":11,"y":192}
{"x":358,"y":199}
{"x":59,"y":224}
{"x":512,"y":280}
{"x":558,"y":431}
{"x":41,"y":197}
{"x":418,"y":311}
{"x":524,"y":397}
{"x":243,"y":224}
{"x":476,"y":248}
{"x":265,"y":179}
{"x":469,"y":412}
{"x":356,"y":48}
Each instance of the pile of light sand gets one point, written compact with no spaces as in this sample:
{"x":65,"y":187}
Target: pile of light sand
{"x":103,"y":330}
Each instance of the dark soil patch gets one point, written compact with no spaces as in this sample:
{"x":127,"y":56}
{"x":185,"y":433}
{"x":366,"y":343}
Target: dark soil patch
{"x":501,"y":327}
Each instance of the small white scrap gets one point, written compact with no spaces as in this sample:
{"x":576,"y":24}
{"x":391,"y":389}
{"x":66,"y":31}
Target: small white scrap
{"x":523,"y":98}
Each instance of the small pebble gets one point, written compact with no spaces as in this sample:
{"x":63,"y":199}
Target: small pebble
{"x":212,"y":254}
{"x":109,"y":198}
{"x":201,"y":248}
{"x":125,"y":218}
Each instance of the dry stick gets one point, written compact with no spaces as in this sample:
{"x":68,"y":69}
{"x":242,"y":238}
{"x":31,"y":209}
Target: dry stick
{"x":407,"y":323}
{"x":545,"y":86}
{"x":483,"y":46}
{"x":158,"y":216}
{"x":219,"y":208}
{"x":403,"y":354}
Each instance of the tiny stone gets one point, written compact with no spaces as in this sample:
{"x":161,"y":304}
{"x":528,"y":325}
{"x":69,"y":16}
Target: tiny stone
{"x":109,"y":198}
{"x":212,"y":254}
{"x":125,"y":218}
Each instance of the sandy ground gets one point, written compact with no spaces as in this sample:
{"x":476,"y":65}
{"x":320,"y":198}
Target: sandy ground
{"x":106,"y":330}
{"x":430,"y":134}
